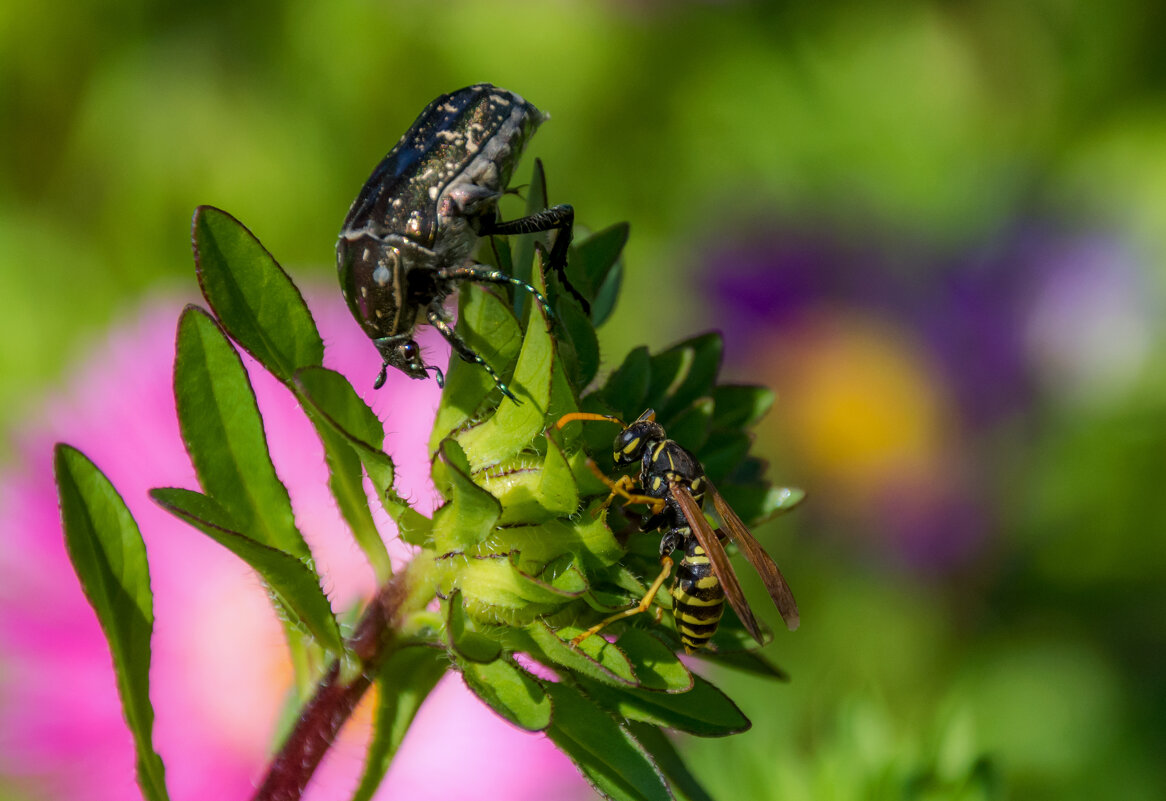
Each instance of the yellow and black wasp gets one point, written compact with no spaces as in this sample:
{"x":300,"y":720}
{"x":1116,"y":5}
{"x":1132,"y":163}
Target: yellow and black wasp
{"x":673,"y":485}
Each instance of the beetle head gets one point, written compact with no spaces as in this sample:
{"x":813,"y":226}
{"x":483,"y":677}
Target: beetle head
{"x":403,"y":353}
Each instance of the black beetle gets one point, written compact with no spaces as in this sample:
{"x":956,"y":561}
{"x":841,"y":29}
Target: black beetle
{"x":408,"y":237}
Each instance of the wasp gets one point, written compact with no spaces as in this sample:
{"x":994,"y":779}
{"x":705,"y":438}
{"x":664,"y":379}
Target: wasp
{"x":408,"y":237}
{"x":673,"y":485}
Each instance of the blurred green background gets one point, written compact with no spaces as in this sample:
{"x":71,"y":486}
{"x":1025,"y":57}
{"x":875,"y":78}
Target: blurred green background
{"x":936,"y":229}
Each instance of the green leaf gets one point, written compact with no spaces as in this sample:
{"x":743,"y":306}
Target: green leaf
{"x":721,"y":454}
{"x":495,"y":592}
{"x":461,"y":636}
{"x":701,"y":361}
{"x":523,"y":267}
{"x":595,"y":657}
{"x":532,"y":490}
{"x":587,"y":538}
{"x":665,"y":755}
{"x":740,"y":405}
{"x":608,"y":756}
{"x":691,"y":426}
{"x":704,"y":710}
{"x":471,"y":513}
{"x":592,"y":259}
{"x":577,"y":341}
{"x":514,"y":425}
{"x":403,"y":683}
{"x":295,"y":585}
{"x":558,"y":577}
{"x":656,"y":666}
{"x":510,"y":691}
{"x":224,"y":435}
{"x":626,"y":389}
{"x":109,"y":557}
{"x":750,"y":662}
{"x":252,"y":296}
{"x":757,"y":503}
{"x":608,"y":294}
{"x":487,"y":324}
{"x":334,"y":401}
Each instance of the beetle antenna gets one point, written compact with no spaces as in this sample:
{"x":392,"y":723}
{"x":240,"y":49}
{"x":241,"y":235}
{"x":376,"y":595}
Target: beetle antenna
{"x":437,"y":374}
{"x":381,"y":377}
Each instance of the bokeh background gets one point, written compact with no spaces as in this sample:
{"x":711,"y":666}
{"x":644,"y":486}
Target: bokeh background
{"x":937,"y":230}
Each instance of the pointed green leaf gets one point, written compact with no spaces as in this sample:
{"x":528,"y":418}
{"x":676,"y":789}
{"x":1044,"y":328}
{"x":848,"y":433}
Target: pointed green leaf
{"x":665,"y":755}
{"x":745,"y":661}
{"x":495,"y":592}
{"x":701,"y":361}
{"x":295,"y":585}
{"x":109,"y":557}
{"x":252,"y":296}
{"x":691,"y":426}
{"x":523,"y":248}
{"x":608,"y":294}
{"x":577,"y":341}
{"x":510,"y":691}
{"x":595,"y":657}
{"x":587,"y":538}
{"x":741,"y":405}
{"x":530,"y":489}
{"x":487,"y":324}
{"x":704,"y":710}
{"x":461,"y":634}
{"x":757,"y":503}
{"x":608,"y":756}
{"x":626,"y":389}
{"x":656,"y":666}
{"x":591,"y":259}
{"x":335,"y":401}
{"x":224,"y":434}
{"x":514,"y":425}
{"x":721,"y":455}
{"x":405,"y":680}
{"x":558,"y":577}
{"x":471,"y":513}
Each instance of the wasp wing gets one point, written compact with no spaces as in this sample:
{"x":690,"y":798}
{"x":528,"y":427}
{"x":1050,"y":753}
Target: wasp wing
{"x":775,"y":583}
{"x":717,"y":557}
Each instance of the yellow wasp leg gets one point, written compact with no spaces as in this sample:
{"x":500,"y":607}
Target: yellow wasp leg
{"x":623,"y":488}
{"x":643,"y":606}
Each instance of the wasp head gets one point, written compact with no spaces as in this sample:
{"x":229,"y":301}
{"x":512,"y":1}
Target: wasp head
{"x":630,"y":443}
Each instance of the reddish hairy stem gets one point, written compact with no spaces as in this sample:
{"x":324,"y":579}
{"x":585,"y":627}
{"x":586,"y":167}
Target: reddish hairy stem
{"x":330,"y":707}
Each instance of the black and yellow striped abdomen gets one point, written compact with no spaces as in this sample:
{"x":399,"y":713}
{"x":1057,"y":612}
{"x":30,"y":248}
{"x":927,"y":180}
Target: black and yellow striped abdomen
{"x":698,"y":599}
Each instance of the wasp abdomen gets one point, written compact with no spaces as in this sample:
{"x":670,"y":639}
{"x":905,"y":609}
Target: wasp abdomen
{"x":698,"y":599}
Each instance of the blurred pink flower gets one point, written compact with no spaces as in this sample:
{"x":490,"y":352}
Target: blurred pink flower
{"x":220,"y":676}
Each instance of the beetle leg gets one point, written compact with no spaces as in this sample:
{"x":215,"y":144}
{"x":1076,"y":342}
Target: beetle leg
{"x":488,"y":275}
{"x":559,"y":218}
{"x":438,"y":321}
{"x":643,"y":606}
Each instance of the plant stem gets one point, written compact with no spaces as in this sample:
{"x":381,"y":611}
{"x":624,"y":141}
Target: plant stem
{"x":335,"y":697}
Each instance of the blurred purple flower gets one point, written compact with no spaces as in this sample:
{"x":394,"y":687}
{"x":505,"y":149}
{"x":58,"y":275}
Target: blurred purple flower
{"x":220,"y":675}
{"x":896,"y":364}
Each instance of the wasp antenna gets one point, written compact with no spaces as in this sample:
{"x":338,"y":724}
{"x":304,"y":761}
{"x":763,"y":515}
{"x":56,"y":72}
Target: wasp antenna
{"x":573,"y":416}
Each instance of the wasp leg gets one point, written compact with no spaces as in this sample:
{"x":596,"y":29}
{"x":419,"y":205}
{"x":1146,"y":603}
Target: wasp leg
{"x":465,"y":351}
{"x":559,"y":218}
{"x":488,"y":275}
{"x":622,"y":488}
{"x":643,"y":606}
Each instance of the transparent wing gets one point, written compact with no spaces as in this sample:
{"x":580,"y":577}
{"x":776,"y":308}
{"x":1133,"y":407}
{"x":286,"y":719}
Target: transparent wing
{"x":774,"y":582}
{"x":717,"y":556}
